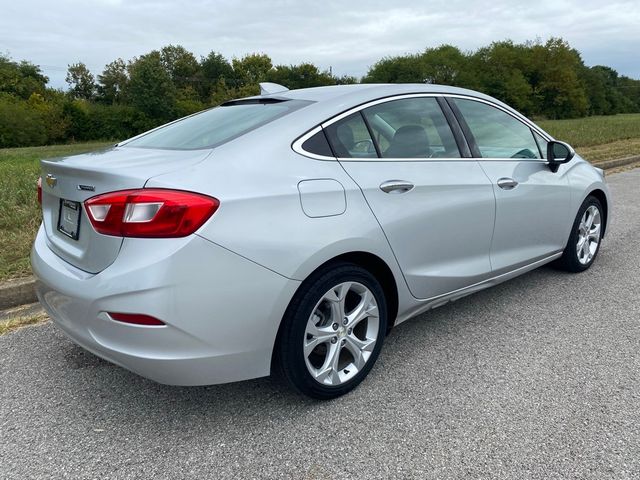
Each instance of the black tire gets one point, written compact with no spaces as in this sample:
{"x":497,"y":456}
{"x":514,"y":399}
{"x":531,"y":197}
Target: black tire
{"x":569,"y":260}
{"x":289,"y":359}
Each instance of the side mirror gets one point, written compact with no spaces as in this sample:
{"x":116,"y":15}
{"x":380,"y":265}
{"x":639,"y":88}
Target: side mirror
{"x":558,"y":153}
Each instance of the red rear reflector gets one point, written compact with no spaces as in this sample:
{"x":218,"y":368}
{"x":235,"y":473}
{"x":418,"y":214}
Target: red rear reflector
{"x":136,"y":319}
{"x":39,"y":183}
{"x":150,"y":212}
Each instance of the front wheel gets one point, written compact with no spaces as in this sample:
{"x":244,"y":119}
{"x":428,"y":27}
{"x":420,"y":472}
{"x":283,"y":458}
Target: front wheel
{"x":586,"y":236}
{"x":332,"y":331}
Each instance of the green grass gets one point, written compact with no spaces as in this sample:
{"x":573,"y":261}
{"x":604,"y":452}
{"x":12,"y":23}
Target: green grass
{"x":595,"y":138}
{"x":19,"y":210}
{"x":590,"y":131}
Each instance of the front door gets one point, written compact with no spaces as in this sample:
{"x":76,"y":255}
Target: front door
{"x":532,"y":202}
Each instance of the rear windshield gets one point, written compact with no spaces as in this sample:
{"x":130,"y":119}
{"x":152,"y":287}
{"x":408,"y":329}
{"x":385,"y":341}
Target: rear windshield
{"x":216,"y":126}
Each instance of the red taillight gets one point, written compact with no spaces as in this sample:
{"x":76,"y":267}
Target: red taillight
{"x":150,"y":213}
{"x":39,"y":182}
{"x":136,"y":319}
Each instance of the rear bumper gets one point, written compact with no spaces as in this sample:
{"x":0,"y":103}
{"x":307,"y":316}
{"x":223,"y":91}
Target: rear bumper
{"x":222,"y":311}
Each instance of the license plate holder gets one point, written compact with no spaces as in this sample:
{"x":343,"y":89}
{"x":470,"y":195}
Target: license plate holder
{"x":69,"y":218}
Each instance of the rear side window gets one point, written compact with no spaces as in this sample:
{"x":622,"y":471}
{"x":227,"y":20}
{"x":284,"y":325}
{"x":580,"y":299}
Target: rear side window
{"x":350,"y":138}
{"x":411,"y":128}
{"x":318,"y":144}
{"x":216,"y":126}
{"x":497,"y":134}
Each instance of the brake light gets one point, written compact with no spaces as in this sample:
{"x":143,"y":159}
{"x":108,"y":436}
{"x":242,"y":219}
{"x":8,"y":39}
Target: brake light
{"x":136,"y":319}
{"x":150,"y":213}
{"x":39,"y":183}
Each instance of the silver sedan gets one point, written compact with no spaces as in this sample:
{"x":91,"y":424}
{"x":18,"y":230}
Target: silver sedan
{"x":289,"y":232}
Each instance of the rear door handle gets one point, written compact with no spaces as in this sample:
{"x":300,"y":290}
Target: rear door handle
{"x":396,"y":186}
{"x":507,"y":183}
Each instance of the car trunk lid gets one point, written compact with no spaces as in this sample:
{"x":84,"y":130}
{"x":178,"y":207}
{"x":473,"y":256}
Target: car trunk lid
{"x":68,"y":181}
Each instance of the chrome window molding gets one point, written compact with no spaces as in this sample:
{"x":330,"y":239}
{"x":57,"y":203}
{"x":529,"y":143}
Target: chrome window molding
{"x":297,"y":144}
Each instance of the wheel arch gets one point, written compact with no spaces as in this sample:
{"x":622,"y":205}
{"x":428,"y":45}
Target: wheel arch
{"x":602,"y":198}
{"x":374,"y":265}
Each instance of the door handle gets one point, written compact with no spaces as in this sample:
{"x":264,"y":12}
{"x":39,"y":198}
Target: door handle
{"x":396,"y":186}
{"x":507,"y":183}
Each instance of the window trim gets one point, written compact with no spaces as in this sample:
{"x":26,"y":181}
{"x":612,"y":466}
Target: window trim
{"x":297,"y":144}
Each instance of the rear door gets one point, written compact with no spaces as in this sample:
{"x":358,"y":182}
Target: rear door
{"x":435,"y":206}
{"x":532,"y":202}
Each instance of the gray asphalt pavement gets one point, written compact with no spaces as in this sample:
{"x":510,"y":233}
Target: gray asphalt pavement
{"x":536,"y":378}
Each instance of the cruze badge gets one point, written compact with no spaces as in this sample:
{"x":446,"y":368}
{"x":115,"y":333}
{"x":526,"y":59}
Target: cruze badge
{"x":51,"y":180}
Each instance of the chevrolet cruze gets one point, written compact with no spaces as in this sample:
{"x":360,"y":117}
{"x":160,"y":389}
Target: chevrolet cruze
{"x":289,"y":232}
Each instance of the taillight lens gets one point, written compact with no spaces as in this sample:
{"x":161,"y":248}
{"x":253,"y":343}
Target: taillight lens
{"x":39,"y":183}
{"x":150,"y":213}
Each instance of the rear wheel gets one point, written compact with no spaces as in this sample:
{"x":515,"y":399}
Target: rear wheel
{"x":332,"y":331}
{"x":586,"y":235}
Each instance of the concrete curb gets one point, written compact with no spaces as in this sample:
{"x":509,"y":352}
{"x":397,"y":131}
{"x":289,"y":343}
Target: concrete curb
{"x":21,"y":291}
{"x":17,"y":292}
{"x":618,"y":162}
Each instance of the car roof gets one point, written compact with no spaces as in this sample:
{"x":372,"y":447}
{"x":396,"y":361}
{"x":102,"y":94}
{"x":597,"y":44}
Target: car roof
{"x":371,"y":91}
{"x":328,"y":102}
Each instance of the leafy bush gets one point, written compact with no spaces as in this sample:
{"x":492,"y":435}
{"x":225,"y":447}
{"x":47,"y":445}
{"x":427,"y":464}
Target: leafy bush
{"x":19,"y":124}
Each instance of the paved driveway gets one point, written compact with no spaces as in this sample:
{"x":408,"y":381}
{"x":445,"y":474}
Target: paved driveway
{"x":535,"y":378}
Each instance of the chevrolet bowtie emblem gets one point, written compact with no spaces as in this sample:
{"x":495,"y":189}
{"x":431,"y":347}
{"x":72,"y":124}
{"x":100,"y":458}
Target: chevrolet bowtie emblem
{"x":51,"y":180}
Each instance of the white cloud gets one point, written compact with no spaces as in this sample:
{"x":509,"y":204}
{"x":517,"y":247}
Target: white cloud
{"x":349,"y":36}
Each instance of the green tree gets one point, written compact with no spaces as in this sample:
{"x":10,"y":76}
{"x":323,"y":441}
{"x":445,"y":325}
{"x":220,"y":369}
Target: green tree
{"x":554,"y":78}
{"x":180,"y":64}
{"x":112,"y":82}
{"x":81,"y":82}
{"x":251,"y":69}
{"x":498,"y":70}
{"x":213,"y":68}
{"x":21,"y":79}
{"x":444,"y":65}
{"x":150,"y":88}
{"x":402,"y":69}
{"x":304,"y":75}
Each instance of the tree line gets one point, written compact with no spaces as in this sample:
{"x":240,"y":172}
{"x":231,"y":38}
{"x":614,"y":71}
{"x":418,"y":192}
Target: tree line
{"x":547,"y":80}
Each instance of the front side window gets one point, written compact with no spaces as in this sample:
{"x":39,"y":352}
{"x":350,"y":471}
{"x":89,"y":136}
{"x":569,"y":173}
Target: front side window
{"x":411,"y":128}
{"x":216,"y":126}
{"x":498,"y":134}
{"x":542,"y":144}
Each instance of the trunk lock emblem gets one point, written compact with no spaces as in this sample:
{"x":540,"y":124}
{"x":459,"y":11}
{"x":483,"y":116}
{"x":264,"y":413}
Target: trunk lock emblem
{"x":51,"y":180}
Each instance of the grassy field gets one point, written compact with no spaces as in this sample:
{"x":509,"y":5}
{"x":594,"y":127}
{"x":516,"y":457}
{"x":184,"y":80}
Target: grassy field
{"x":19,"y":210}
{"x":599,"y":138}
{"x":595,"y":138}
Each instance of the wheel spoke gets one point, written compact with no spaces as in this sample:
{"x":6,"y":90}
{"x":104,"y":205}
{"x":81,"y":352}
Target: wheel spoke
{"x":328,"y":372}
{"x":337,"y":296}
{"x":365,"y":309}
{"x":588,"y":219}
{"x":362,"y":345}
{"x":594,"y":233}
{"x":358,"y":358}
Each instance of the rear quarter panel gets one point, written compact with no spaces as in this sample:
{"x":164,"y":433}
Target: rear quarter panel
{"x":260,"y":217}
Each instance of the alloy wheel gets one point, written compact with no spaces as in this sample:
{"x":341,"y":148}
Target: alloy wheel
{"x":341,"y":333}
{"x":589,"y":232}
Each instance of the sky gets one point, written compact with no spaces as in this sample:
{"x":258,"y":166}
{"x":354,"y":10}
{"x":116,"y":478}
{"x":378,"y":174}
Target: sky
{"x":348,"y":36}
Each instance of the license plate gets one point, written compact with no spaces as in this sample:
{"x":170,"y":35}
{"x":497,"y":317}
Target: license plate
{"x":69,"y":218}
